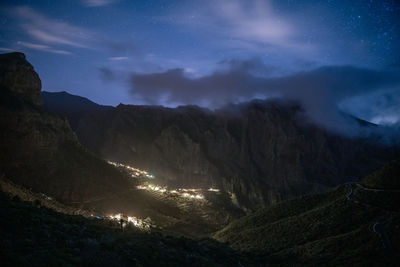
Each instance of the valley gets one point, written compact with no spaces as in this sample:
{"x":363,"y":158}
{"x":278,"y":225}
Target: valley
{"x":247,"y":185}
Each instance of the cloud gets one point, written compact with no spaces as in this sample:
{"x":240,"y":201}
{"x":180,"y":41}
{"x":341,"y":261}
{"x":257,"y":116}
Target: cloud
{"x":380,"y":107}
{"x":51,"y":31}
{"x":96,"y":3}
{"x":44,"y":48}
{"x":248,"y":25}
{"x":256,"y":22}
{"x":254,"y":66}
{"x":319,"y":91}
{"x":6,"y":49}
{"x":107,"y":75}
{"x":118,"y":58}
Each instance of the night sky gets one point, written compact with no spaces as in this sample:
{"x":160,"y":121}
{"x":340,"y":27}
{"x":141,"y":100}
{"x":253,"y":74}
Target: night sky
{"x":327,"y":54}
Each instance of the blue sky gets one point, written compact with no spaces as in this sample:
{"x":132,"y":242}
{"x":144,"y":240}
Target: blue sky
{"x":114,"y":51}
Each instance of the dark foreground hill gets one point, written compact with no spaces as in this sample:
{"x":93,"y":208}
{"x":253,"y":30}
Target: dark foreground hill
{"x":38,"y":236}
{"x":260,"y":152}
{"x":350,"y":226}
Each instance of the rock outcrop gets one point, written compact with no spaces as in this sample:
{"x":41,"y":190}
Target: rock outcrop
{"x":38,"y":149}
{"x":17,"y":75}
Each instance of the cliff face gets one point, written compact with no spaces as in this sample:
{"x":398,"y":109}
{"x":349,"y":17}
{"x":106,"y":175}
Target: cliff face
{"x":17,"y":75}
{"x":258,"y":152}
{"x":38,"y":149}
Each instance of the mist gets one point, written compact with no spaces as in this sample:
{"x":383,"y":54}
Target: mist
{"x":324,"y":93}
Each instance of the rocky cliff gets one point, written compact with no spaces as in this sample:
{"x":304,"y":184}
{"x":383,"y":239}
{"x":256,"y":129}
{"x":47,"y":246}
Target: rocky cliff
{"x":38,"y":149}
{"x":18,"y":76}
{"x":260,"y":152}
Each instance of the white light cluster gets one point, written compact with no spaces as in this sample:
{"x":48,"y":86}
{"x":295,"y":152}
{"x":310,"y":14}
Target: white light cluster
{"x":181,"y":192}
{"x":190,"y":193}
{"x":213,"y":189}
{"x":133,"y":171}
{"x":130,"y":219}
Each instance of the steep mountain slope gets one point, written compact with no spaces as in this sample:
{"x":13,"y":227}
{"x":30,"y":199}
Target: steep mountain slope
{"x":65,"y":103}
{"x":352,"y":225}
{"x":260,"y":152}
{"x":386,"y":177}
{"x":39,"y":149}
{"x":69,"y":105}
{"x":18,"y":76}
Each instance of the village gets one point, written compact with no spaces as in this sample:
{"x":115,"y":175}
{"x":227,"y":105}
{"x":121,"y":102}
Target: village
{"x":145,"y":179}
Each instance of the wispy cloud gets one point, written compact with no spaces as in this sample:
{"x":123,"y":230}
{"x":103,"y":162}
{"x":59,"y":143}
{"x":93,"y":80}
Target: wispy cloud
{"x":118,"y":58}
{"x":44,"y":48}
{"x":257,"y":22}
{"x":248,"y":25}
{"x":95,"y":3}
{"x":6,"y":49}
{"x":51,"y":31}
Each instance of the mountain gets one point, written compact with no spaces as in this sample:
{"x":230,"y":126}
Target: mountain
{"x":39,"y":150}
{"x":260,"y":152}
{"x":353,"y":225}
{"x":65,"y":103}
{"x":387,"y":177}
{"x":69,"y":105}
{"x":19,"y":77}
{"x":59,"y":200}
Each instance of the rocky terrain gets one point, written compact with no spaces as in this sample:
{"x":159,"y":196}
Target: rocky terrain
{"x":260,"y":152}
{"x":18,"y":76}
{"x":39,"y":150}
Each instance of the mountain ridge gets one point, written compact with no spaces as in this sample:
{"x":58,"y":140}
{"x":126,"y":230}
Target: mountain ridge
{"x":258,"y":151}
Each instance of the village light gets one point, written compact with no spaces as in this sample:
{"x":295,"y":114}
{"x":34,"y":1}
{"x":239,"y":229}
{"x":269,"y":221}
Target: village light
{"x":213,"y":189}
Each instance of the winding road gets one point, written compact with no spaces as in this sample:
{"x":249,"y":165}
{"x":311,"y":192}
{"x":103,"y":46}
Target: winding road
{"x":378,"y":227}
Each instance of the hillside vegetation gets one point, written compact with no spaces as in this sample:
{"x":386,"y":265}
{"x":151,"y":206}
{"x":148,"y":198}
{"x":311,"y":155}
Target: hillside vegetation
{"x":38,"y":236}
{"x":387,"y":177}
{"x":335,"y":228}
